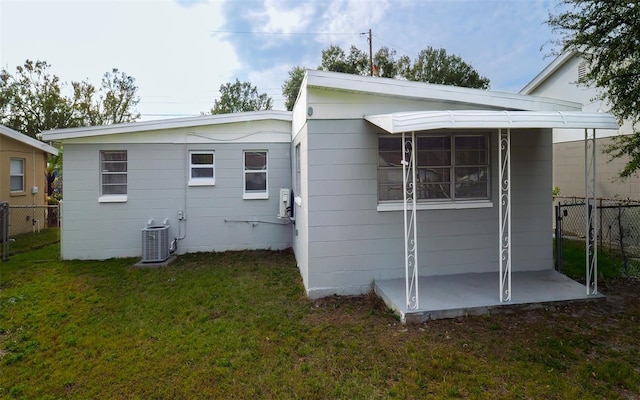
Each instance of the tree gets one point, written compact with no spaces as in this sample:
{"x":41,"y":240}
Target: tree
{"x":32,"y":100}
{"x":240,"y":97}
{"x":436,"y":66}
{"x":431,"y":65}
{"x":607,"y":34}
{"x":335,"y":59}
{"x":291,"y":86}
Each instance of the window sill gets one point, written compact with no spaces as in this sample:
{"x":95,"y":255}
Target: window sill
{"x":458,"y":205}
{"x":255,"y":196}
{"x":113,"y":198}
{"x":202,"y":182}
{"x":17,"y":194}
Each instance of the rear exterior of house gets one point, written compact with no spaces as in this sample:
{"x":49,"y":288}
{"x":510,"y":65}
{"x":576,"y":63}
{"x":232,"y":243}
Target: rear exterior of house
{"x":349,"y":218}
{"x":23,"y":178}
{"x":474,"y":196}
{"x":559,"y":80}
{"x":213,"y":180}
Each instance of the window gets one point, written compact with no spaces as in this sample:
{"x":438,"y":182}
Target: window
{"x":255,"y":175}
{"x":113,"y":167}
{"x":449,"y":167}
{"x":203,"y":168}
{"x":298,"y":179}
{"x":16,"y":175}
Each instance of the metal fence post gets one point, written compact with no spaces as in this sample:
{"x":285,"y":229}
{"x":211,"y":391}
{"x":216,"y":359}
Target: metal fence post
{"x":4,"y":230}
{"x":558,"y":239}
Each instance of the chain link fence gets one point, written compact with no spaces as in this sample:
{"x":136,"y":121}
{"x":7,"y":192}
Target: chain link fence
{"x":25,"y":219}
{"x":24,"y":223}
{"x":618,"y":229}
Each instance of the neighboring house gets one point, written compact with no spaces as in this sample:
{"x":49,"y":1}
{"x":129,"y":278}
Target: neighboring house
{"x":23,"y":177}
{"x":481,"y":167}
{"x":559,"y":80}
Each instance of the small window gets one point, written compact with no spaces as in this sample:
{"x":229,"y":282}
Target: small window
{"x":255,"y":175}
{"x":203,"y":168}
{"x":113,"y":174}
{"x":17,"y":175}
{"x":298,"y":179}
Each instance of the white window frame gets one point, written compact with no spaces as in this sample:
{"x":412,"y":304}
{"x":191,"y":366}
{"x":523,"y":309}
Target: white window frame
{"x":13,"y":174}
{"x":298,"y":170}
{"x":202,"y":181}
{"x":444,"y":203}
{"x":113,"y":197}
{"x":254,"y":194}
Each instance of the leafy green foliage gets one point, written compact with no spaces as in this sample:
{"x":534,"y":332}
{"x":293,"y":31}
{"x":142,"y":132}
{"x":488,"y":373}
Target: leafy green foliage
{"x":33,"y":100}
{"x":606,"y":34}
{"x":240,"y":97}
{"x":291,"y":86}
{"x":431,"y":65}
{"x":337,"y":60}
{"x":436,"y":66}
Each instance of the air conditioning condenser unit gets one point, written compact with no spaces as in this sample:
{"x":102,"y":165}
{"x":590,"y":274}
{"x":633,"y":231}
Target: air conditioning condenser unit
{"x":155,"y":243}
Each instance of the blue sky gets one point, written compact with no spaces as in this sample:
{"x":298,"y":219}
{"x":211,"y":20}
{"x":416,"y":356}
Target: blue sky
{"x":180,"y":52}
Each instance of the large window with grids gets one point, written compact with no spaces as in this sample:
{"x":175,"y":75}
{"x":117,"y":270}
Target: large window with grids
{"x":450,"y":167}
{"x":113,"y":173}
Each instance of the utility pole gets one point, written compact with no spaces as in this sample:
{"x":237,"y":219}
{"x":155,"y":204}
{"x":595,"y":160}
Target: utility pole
{"x":370,"y":51}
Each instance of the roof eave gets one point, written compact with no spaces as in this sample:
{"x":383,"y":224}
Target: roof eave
{"x":428,"y":91}
{"x":176,"y":123}
{"x":20,"y":137}
{"x":549,"y":70}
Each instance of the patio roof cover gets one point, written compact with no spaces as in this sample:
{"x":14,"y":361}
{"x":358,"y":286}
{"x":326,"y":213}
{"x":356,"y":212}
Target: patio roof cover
{"x":413,"y":121}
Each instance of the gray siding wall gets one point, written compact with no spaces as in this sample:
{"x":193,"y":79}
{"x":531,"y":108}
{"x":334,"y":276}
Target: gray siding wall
{"x":157,"y":188}
{"x":301,"y":214}
{"x":351,"y":243}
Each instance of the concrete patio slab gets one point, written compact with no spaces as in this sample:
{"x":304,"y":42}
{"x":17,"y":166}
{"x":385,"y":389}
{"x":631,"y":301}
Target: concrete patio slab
{"x":452,"y":296}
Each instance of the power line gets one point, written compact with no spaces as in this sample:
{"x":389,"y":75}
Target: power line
{"x":392,"y":44}
{"x":287,"y":33}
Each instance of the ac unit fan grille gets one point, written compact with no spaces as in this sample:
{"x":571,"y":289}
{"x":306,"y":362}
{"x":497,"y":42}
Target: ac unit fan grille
{"x":155,"y":243}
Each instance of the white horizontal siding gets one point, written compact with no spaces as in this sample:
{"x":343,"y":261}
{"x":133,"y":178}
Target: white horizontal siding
{"x":351,"y":244}
{"x":157,"y":188}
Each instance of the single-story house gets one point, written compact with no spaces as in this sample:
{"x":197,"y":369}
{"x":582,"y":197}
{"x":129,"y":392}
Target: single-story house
{"x":23,"y":177}
{"x":412,"y":189}
{"x":559,"y":80}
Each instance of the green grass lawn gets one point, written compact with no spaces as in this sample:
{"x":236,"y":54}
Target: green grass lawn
{"x":238,"y":325}
{"x":610,"y":263}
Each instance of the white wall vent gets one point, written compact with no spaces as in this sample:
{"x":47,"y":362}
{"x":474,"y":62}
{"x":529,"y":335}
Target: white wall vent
{"x":155,"y":243}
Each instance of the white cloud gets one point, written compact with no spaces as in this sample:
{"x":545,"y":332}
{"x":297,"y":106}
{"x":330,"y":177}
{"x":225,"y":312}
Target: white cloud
{"x":177,"y":63}
{"x":280,"y":17}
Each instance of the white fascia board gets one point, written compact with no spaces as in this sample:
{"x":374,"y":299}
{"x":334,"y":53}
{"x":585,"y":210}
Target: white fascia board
{"x":547,"y":72}
{"x":441,"y":93}
{"x":143,"y":126}
{"x":430,"y":120}
{"x":20,"y":137}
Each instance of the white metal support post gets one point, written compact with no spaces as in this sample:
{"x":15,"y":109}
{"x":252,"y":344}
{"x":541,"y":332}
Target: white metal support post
{"x":591,"y":213}
{"x":410,"y":231}
{"x":504,"y":151}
